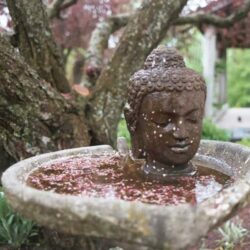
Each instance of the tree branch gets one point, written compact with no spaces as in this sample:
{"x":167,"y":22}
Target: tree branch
{"x":143,"y":32}
{"x":57,"y":6}
{"x":99,"y":39}
{"x":215,"y":20}
{"x":54,"y":8}
{"x":68,"y":4}
{"x":98,"y":43}
{"x":100,"y":36}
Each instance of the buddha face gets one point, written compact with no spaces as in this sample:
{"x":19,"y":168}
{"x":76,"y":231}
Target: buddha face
{"x":169,"y":126}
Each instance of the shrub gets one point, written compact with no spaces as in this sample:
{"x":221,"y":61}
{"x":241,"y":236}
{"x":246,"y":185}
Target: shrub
{"x":14,"y":230}
{"x":231,"y":233}
{"x":238,"y":77}
{"x":211,"y":132}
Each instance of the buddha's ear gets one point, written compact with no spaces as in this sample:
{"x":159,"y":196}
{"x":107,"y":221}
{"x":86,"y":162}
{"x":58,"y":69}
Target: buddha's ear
{"x":204,"y":104}
{"x":136,"y":142}
{"x":137,"y":146}
{"x":128,"y":114}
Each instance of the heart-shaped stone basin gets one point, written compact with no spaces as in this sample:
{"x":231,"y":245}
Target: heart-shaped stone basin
{"x":136,"y":223}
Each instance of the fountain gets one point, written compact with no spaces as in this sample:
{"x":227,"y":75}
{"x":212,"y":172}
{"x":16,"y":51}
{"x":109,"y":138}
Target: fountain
{"x":165,"y":195}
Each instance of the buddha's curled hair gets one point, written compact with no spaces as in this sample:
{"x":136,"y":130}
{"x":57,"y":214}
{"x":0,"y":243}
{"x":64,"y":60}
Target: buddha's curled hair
{"x":164,"y":70}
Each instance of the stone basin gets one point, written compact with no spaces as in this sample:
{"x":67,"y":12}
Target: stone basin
{"x":132,"y":225}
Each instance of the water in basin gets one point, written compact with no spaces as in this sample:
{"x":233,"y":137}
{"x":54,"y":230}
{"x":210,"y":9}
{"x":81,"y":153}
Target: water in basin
{"x":107,"y":176}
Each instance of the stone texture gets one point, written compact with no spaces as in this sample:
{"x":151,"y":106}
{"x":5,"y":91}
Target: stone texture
{"x":132,"y":225}
{"x":164,"y":114}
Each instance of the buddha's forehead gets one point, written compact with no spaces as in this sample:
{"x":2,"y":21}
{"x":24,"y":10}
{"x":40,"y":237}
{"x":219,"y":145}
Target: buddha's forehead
{"x":179,"y":102}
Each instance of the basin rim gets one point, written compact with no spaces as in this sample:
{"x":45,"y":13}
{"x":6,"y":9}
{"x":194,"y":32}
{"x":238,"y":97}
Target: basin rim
{"x":133,"y":222}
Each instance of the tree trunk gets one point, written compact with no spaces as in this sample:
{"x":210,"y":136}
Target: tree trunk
{"x":35,"y":41}
{"x":143,"y":32}
{"x":34,"y":117}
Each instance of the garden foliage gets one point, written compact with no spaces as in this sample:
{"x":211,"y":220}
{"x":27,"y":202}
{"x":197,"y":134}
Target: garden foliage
{"x":15,"y":231}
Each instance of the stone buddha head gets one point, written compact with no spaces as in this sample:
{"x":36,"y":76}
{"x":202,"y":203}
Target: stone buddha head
{"x":164,"y":113}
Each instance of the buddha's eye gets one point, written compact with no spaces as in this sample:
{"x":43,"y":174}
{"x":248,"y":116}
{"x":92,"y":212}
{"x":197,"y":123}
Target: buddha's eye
{"x":192,"y":116}
{"x":161,"y":121}
{"x":161,"y":124}
{"x":192,"y":119}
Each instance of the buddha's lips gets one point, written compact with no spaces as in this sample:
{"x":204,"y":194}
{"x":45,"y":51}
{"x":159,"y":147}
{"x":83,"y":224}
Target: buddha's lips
{"x":180,"y":147}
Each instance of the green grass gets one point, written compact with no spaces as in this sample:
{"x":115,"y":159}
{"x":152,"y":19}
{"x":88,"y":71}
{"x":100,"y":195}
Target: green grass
{"x":15,"y":231}
{"x":245,"y":142}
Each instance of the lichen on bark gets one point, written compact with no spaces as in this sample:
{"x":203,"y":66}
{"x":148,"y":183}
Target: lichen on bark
{"x":36,"y":43}
{"x":34,"y":117}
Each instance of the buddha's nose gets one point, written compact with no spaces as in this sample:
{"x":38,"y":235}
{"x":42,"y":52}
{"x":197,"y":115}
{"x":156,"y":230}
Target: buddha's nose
{"x":180,"y":132}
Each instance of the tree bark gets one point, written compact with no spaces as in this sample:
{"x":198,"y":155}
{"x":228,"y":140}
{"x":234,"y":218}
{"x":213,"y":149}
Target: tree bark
{"x":143,"y":32}
{"x":57,"y":6}
{"x":99,"y":39}
{"x":34,"y":117}
{"x":35,"y":41}
{"x":104,"y":29}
